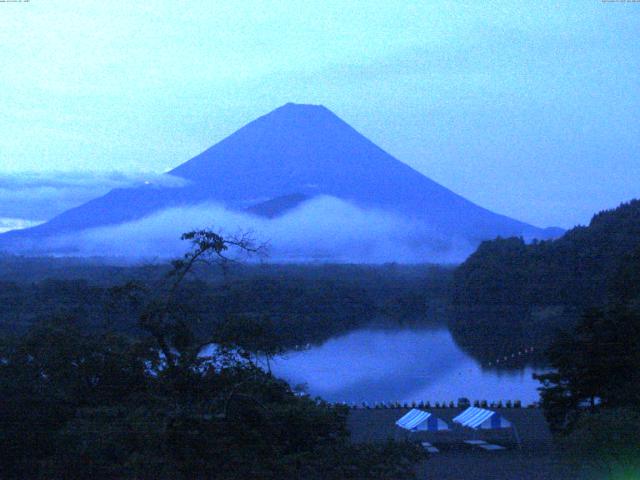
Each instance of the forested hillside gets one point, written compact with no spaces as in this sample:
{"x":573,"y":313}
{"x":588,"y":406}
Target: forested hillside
{"x":579,"y":269}
{"x":301,"y":303}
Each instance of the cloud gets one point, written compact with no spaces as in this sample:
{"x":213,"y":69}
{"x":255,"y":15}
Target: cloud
{"x":321,"y":229}
{"x":7,"y":224}
{"x":36,"y":197}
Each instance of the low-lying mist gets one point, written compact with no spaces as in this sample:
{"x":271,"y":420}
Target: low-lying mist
{"x":321,"y":229}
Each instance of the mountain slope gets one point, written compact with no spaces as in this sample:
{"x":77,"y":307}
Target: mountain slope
{"x":302,"y":150}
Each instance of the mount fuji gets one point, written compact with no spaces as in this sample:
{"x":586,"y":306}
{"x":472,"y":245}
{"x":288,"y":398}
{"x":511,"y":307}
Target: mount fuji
{"x":276,"y":166}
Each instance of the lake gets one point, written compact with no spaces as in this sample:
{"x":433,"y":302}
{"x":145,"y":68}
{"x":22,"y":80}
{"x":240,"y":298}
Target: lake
{"x":409,"y":364}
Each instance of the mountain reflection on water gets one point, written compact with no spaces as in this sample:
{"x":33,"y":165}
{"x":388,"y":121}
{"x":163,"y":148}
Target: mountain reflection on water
{"x":401,"y":364}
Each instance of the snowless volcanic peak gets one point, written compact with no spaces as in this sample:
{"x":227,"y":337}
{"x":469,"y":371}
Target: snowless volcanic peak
{"x":295,"y":148}
{"x":280,"y":162}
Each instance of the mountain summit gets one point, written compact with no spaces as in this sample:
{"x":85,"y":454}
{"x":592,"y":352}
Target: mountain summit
{"x":287,"y":157}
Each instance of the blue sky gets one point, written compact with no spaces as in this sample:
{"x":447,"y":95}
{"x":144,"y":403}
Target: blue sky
{"x":531,"y":109}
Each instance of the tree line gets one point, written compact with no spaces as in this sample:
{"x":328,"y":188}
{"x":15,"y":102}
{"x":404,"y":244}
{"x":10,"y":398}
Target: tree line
{"x":302,"y":303}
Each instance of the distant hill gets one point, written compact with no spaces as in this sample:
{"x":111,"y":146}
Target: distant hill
{"x":278,"y":162}
{"x":277,"y":206}
{"x":579,"y":269}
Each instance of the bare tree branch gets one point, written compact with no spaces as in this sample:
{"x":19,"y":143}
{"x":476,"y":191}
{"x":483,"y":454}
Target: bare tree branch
{"x":206,"y":246}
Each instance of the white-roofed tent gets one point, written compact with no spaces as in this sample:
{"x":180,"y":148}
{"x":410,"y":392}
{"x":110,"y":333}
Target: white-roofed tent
{"x":480,"y":418}
{"x":483,"y":419}
{"x":419,"y":420}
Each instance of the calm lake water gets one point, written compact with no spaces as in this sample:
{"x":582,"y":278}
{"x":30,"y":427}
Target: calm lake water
{"x":376,"y":365}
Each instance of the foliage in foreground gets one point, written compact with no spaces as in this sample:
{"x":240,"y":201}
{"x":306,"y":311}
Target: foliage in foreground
{"x":596,"y":367}
{"x":88,"y":406}
{"x":100,"y":405}
{"x":592,"y":398}
{"x":607,"y":443}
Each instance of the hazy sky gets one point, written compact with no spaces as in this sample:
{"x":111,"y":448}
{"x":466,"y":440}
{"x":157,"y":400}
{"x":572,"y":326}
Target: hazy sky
{"x":529,"y":108}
